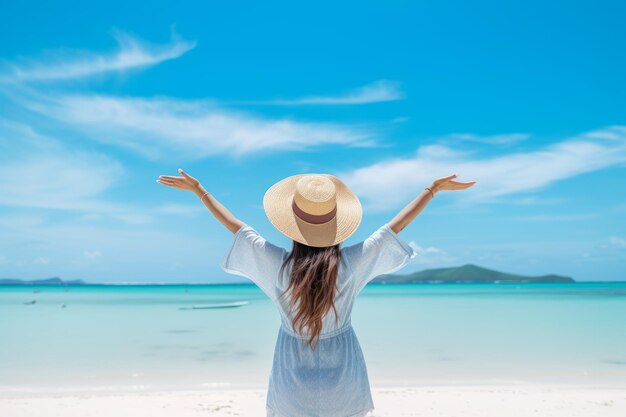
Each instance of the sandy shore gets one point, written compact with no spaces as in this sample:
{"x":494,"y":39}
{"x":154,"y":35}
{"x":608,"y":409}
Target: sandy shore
{"x":478,"y":401}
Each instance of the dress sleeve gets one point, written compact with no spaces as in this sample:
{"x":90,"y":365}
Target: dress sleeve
{"x":383,"y":252}
{"x":253,"y":257}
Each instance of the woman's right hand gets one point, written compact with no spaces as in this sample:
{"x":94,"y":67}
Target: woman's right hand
{"x":447,"y":183}
{"x":186,"y":182}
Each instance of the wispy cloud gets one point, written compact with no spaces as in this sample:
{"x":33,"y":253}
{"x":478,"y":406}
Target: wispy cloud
{"x":430,"y":255}
{"x":47,"y":174}
{"x":606,"y":250}
{"x":391,"y":183}
{"x":376,"y":92}
{"x":92,"y":254}
{"x":67,"y":64}
{"x":505,"y":139}
{"x":535,"y":200}
{"x":551,"y":218}
{"x":617,"y":241}
{"x":42,"y":260}
{"x":159,"y":127}
{"x":74,"y":247}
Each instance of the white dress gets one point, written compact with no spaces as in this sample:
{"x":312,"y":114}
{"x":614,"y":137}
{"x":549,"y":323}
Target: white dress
{"x":332,"y":380}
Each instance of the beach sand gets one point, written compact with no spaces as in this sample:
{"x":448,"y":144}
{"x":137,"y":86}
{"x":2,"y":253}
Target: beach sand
{"x":434,"y":401}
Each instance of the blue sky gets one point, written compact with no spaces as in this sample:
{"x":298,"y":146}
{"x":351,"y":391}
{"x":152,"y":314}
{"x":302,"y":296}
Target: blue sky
{"x":98,"y":100}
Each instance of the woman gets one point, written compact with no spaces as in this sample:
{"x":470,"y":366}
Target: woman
{"x":318,"y":368}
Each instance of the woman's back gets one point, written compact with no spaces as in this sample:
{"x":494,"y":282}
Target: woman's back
{"x":252,"y":256}
{"x":331,"y":379}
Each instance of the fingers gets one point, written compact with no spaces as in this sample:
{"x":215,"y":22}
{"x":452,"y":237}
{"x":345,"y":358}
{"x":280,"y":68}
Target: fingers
{"x":455,"y":185}
{"x":167,"y":182}
{"x":185,"y":182}
{"x":170,"y":181}
{"x":443,"y":180}
{"x":184,"y":173}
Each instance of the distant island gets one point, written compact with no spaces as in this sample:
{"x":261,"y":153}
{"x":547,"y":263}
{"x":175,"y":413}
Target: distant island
{"x":467,"y":273}
{"x":464,"y":274}
{"x":45,"y":281}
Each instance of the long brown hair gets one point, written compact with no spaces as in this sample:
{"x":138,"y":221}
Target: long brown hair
{"x":313,"y":283}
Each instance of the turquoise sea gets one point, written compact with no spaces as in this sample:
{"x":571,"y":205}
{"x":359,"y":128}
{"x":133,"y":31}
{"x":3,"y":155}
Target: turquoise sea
{"x":110,"y":337}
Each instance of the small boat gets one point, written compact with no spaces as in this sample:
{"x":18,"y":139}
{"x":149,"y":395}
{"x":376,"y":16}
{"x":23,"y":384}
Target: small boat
{"x":63,"y":305}
{"x":216,"y":305}
{"x":30,"y":302}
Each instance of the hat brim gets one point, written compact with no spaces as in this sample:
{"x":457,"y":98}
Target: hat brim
{"x":277,"y":205}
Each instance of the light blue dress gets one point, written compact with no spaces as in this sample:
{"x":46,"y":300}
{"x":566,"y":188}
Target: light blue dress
{"x":332,"y":380}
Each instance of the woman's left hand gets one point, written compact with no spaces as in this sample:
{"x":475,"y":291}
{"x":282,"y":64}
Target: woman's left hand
{"x":186,"y":182}
{"x":446,"y":183}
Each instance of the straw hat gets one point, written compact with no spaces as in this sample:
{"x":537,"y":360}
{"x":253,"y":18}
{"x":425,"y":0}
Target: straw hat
{"x":315,"y":209}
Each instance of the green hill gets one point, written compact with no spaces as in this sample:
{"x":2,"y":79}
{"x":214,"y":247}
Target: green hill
{"x":468,"y":273}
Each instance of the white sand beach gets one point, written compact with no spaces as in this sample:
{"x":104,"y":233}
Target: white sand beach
{"x":434,"y":401}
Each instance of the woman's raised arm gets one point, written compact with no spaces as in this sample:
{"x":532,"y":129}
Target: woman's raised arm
{"x":411,"y":210}
{"x":189,"y":183}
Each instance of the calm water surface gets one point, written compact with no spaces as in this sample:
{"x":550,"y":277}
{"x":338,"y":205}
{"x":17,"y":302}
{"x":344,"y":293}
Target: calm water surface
{"x":113,"y":336}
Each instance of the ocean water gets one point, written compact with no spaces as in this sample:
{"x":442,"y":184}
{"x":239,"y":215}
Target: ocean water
{"x":110,"y":337}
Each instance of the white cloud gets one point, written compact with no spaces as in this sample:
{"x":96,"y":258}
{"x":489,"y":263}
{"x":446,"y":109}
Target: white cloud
{"x":92,"y":254}
{"x":42,"y":260}
{"x":392,"y":183}
{"x":159,"y":127}
{"x":165,"y":127}
{"x":58,"y":181}
{"x":46,"y":174}
{"x":505,"y":139}
{"x":21,"y":220}
{"x":132,"y":254}
{"x":424,"y":250}
{"x":533,"y":200}
{"x":606,"y":250}
{"x":69,"y":64}
{"x":376,"y":92}
{"x":175,"y":208}
{"x":564,"y":217}
{"x":618,"y":242}
{"x":430,"y":255}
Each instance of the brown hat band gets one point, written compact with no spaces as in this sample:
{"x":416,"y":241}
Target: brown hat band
{"x":313,"y":218}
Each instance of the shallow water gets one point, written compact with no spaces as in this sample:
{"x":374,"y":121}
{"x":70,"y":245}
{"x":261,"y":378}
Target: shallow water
{"x":112,"y":336}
